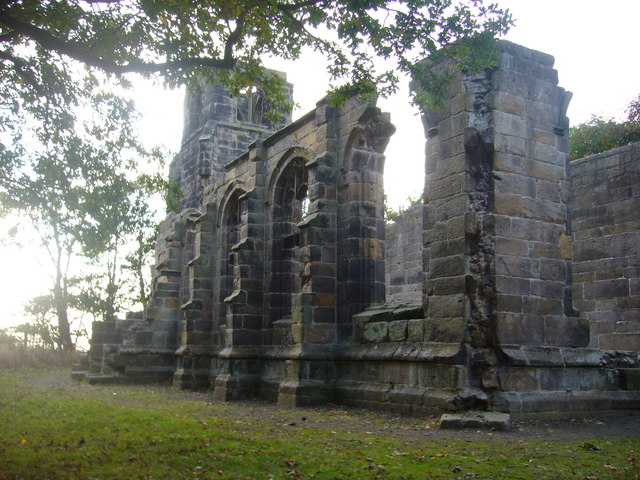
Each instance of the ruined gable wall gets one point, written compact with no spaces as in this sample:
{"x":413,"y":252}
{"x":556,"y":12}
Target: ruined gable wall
{"x":606,"y":246}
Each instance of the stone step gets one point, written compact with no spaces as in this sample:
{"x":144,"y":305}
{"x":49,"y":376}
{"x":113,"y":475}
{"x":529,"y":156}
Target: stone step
{"x":475,"y":420}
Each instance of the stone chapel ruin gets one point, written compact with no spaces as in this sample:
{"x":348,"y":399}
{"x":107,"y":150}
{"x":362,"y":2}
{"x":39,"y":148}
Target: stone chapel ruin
{"x":515,"y":287}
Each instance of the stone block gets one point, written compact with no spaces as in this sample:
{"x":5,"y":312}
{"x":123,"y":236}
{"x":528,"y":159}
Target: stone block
{"x":509,"y":204}
{"x":518,"y":379}
{"x":626,"y":245}
{"x":508,"y":303}
{"x":398,"y":330}
{"x":552,"y":269}
{"x":511,"y":266}
{"x":475,"y":420}
{"x":449,"y":330}
{"x":447,"y":306}
{"x":511,"y":246}
{"x":607,"y":289}
{"x":630,"y":378}
{"x":447,"y":266}
{"x":519,"y":329}
{"x":415,"y":330}
{"x":508,"y":103}
{"x":620,"y":341}
{"x":542,"y":306}
{"x":560,"y":379}
{"x":592,"y":249}
{"x":547,"y":288}
{"x":599,"y":379}
{"x":446,"y":286}
{"x":376,"y":332}
{"x":511,"y":285}
{"x":566,"y":331}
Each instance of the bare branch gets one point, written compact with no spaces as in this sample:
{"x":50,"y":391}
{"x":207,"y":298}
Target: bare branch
{"x":234,"y":37}
{"x":303,"y":30}
{"x":53,"y":43}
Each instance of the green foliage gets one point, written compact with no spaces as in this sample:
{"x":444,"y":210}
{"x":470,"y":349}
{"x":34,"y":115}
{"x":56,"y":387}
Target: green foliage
{"x":391,"y":214}
{"x":41,"y":43}
{"x":602,"y":134}
{"x":52,"y":430}
{"x":80,"y":187}
{"x":68,"y":157}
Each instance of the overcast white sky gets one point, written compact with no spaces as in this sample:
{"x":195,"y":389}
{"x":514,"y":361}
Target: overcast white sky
{"x":594,"y":44}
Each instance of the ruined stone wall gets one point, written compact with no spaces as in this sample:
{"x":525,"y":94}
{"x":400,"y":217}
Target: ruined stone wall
{"x":606,"y":246}
{"x":496,"y":245}
{"x":403,"y":257}
{"x":217,"y":129}
{"x":531,"y":199}
{"x":272,"y":285}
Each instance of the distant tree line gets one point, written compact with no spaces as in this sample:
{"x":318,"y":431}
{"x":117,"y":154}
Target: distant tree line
{"x":600,"y":134}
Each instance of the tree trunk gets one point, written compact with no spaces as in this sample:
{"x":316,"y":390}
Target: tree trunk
{"x":61,"y":302}
{"x":64,"y":329}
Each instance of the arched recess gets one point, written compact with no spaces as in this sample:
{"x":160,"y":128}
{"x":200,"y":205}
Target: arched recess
{"x":360,"y":218}
{"x":229,"y":234}
{"x":289,"y":202}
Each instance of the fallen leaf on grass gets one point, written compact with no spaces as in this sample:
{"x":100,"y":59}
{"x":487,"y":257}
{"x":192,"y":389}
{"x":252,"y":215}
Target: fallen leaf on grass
{"x":398,"y":454}
{"x":590,"y":446}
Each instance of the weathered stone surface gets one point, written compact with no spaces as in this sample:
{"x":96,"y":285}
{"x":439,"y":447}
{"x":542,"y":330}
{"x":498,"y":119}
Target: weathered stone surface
{"x":272,"y":279}
{"x":376,"y":332}
{"x":490,"y":420}
{"x":605,"y":243}
{"x":398,"y":331}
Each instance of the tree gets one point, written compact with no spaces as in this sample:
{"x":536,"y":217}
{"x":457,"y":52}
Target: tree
{"x":42,"y":43}
{"x":124,"y":247}
{"x":43,"y":329}
{"x":602,"y":134}
{"x":77,"y":193}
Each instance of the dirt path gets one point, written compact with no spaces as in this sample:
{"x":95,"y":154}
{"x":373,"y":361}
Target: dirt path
{"x":344,"y":419}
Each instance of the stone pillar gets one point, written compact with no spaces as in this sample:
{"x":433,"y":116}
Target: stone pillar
{"x":363,"y":136}
{"x":497,"y":251}
{"x":313,"y":310}
{"x":194,"y":353}
{"x":237,"y":369}
{"x":532,"y":237}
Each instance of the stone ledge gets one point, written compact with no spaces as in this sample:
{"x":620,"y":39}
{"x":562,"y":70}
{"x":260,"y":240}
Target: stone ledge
{"x":566,"y":403}
{"x":446,"y":353}
{"x":405,"y":399}
{"x":533,"y":356}
{"x":490,"y":420}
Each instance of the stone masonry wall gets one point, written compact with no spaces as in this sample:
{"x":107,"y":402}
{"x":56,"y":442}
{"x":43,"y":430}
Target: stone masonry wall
{"x":532,"y":246}
{"x":606,"y":246}
{"x":270,"y":281}
{"x":403,"y":257}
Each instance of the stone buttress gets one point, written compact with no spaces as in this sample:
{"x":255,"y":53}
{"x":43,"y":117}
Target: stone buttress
{"x":497,"y":256}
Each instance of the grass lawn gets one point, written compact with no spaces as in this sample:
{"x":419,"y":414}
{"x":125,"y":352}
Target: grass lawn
{"x":51,"y":428}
